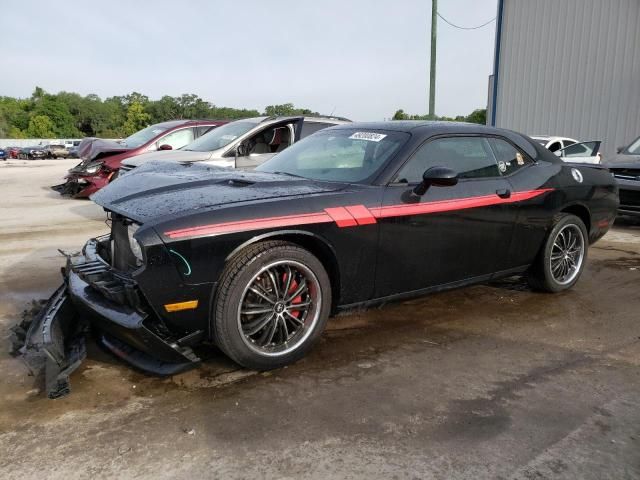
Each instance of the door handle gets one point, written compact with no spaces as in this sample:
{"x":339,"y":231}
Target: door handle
{"x":503,"y":193}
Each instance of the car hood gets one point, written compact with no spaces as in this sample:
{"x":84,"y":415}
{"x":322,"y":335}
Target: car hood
{"x":93,"y":148}
{"x":167,"y":156}
{"x":623,"y":160}
{"x":158,"y":190}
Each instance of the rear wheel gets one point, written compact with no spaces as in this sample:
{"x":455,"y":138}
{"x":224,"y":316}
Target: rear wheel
{"x":561,"y":262}
{"x":272,"y":304}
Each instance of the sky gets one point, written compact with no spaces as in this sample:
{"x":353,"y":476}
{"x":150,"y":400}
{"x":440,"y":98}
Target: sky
{"x":361,"y":59}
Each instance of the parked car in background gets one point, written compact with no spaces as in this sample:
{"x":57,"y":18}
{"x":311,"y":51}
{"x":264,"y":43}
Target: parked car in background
{"x":13,"y":152}
{"x":553,"y":144}
{"x":56,"y":151}
{"x":3,"y":153}
{"x":73,"y":152}
{"x":101,"y":158}
{"x":244,"y":143}
{"x":583,"y":152}
{"x":353,"y":216}
{"x":625,"y":167}
{"x":69,"y":144}
{"x":33,"y":153}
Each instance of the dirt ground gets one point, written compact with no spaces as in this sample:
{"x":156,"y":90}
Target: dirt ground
{"x":484,"y":382}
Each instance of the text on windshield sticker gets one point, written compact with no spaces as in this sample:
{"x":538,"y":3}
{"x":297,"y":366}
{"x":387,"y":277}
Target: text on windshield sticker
{"x":369,"y":136}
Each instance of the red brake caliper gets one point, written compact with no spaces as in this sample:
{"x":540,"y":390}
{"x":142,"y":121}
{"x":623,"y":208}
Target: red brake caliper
{"x":292,"y":288}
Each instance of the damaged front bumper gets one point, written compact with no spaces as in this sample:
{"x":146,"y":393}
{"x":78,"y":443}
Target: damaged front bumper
{"x":95,"y":297}
{"x":81,"y":186}
{"x":53,"y":343}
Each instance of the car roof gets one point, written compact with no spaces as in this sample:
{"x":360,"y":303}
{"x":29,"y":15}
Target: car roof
{"x":422,"y":126}
{"x":178,"y":123}
{"x":424,"y":129}
{"x":307,"y":118}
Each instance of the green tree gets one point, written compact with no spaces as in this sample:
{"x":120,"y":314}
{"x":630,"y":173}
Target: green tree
{"x":400,"y":115}
{"x":478,"y":116}
{"x":64,"y":124}
{"x":166,"y":108}
{"x":15,"y":132}
{"x":15,"y":112}
{"x":135,"y":97}
{"x":136,"y":120}
{"x":287,"y":109}
{"x":41,"y":126}
{"x":284,"y":109}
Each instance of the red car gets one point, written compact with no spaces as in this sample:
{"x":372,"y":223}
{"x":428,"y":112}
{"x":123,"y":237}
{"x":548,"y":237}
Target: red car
{"x":12,"y":152}
{"x":101,"y":158}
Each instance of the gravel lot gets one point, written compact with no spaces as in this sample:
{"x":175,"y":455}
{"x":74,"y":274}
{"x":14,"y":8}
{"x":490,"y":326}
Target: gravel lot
{"x":484,"y":382}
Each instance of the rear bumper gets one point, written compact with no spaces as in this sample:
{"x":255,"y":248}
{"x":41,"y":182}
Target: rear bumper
{"x":95,"y":297}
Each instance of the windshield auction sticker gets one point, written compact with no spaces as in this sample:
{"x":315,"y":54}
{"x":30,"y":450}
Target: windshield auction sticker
{"x":369,"y":136}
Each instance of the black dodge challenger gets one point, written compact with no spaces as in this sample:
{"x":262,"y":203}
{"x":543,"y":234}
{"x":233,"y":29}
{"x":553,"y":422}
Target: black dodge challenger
{"x":354,"y":215}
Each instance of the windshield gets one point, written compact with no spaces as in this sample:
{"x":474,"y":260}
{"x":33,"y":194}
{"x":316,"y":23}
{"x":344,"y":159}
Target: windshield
{"x":344,"y":155}
{"x":634,"y":148}
{"x":143,"y":136}
{"x":220,"y":137}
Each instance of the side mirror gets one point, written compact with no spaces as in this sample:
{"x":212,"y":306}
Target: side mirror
{"x":165,"y":146}
{"x":241,"y":150}
{"x":438,"y":177}
{"x":620,"y":149}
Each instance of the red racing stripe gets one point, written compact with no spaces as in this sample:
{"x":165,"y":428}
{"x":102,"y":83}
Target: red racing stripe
{"x":354,"y":214}
{"x":341,"y":216}
{"x":362,"y":214}
{"x":451,"y":205}
{"x":255,"y":224}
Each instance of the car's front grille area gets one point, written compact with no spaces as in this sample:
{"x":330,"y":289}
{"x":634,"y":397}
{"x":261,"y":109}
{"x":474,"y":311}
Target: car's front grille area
{"x":122,"y":258}
{"x":630,"y":197}
{"x":626,"y":173}
{"x":93,"y":268}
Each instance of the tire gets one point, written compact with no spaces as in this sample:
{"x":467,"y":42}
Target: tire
{"x":258,"y":266}
{"x":559,"y":265}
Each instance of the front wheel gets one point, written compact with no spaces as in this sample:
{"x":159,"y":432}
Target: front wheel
{"x":272,"y":304}
{"x":561,"y":261}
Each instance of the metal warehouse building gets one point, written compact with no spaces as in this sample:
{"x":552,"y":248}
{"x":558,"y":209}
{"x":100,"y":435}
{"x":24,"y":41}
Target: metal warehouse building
{"x":568,"y":68}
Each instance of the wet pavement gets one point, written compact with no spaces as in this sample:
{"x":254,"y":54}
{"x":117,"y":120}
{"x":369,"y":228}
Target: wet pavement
{"x":490,"y":381}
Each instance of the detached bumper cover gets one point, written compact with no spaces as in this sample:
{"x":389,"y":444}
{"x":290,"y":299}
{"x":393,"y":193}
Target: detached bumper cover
{"x":53,"y":344}
{"x":95,"y":297}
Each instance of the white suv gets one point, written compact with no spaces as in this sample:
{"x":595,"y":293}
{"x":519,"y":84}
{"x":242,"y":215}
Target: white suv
{"x":244,"y":143}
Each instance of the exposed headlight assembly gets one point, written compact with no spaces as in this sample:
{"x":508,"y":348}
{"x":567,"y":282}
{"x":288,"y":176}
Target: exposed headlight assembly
{"x":93,"y":167}
{"x":133,"y":243}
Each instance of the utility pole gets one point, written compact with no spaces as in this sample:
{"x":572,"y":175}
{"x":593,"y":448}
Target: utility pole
{"x":432,"y":72}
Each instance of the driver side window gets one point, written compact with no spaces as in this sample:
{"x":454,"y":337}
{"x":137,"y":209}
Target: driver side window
{"x":270,"y":140}
{"x":177,"y":139}
{"x":471,"y":157}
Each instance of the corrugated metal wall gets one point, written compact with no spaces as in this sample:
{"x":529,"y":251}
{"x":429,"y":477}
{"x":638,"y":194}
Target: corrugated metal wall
{"x":571,"y":68}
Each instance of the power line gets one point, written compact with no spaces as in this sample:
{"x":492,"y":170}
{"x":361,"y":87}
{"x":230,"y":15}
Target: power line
{"x":466,"y":28}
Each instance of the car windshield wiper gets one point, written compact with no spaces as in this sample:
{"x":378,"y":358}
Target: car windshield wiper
{"x":290,"y":174}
